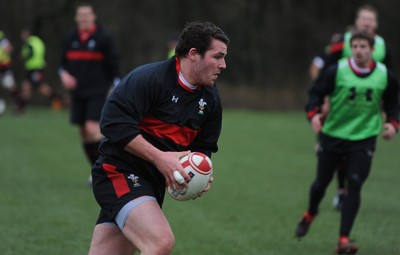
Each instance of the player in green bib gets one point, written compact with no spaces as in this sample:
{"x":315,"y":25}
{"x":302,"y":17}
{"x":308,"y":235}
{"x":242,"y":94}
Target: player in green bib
{"x":366,"y":20}
{"x":359,"y":89}
{"x":33,"y":52}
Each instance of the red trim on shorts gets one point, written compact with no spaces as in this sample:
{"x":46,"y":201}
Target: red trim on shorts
{"x":118,"y":180}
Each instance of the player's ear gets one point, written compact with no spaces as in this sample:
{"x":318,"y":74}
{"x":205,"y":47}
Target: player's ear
{"x":193,"y":54}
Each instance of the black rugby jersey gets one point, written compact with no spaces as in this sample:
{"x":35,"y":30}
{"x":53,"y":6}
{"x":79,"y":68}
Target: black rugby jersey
{"x":151,"y":101}
{"x":94,"y":62}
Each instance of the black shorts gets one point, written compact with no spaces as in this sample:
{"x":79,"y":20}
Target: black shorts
{"x":353,"y":157}
{"x":88,"y":108}
{"x":35,"y":77}
{"x":113,"y":189}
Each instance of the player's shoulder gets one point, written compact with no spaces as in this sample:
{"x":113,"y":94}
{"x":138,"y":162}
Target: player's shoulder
{"x":157,"y":69}
{"x":72,"y":34}
{"x":101,"y":34}
{"x":381,"y":66}
{"x":332,"y":68}
{"x":379,"y":39}
{"x":152,"y":74}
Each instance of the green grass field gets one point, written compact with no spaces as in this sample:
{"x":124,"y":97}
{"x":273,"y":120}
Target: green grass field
{"x":262,"y":176}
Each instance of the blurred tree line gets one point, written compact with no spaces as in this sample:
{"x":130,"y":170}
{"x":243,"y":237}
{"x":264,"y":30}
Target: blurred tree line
{"x":272,"y":41}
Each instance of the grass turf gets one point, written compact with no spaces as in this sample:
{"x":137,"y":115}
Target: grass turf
{"x":262,"y":176}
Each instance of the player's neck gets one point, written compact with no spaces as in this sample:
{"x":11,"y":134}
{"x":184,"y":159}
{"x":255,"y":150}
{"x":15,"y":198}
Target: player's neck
{"x":362,"y":68}
{"x":184,"y":82}
{"x":184,"y":77}
{"x":186,"y":70}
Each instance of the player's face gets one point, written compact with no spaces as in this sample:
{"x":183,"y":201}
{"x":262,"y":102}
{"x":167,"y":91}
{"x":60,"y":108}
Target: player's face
{"x":362,"y":52}
{"x":209,"y":66}
{"x":85,"y":17}
{"x":366,"y":20}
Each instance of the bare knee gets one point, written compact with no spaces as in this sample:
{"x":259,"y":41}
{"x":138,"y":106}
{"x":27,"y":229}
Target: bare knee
{"x":26,"y":90}
{"x":355,"y":183}
{"x":166,"y":244}
{"x":45,"y":90}
{"x":163,"y":245}
{"x":90,"y":131}
{"x":148,"y":229}
{"x":108,"y":239}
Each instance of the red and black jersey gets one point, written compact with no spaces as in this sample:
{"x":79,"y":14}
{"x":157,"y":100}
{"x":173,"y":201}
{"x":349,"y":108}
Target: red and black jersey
{"x":92,"y":60}
{"x":151,"y":101}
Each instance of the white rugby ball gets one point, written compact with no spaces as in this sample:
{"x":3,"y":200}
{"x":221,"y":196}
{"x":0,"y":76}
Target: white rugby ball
{"x":199,"y":167}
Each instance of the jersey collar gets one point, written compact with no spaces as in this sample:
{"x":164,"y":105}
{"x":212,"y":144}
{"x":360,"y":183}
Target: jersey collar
{"x":85,"y":34}
{"x":361,"y":70}
{"x":181,"y":80}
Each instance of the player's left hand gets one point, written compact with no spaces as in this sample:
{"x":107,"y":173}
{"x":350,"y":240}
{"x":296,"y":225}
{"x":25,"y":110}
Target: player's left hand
{"x":389,"y":131}
{"x":207,"y":188}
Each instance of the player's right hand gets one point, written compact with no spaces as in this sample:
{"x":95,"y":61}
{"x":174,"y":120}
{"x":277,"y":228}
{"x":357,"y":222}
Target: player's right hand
{"x":167,"y":163}
{"x":389,"y":131}
{"x":316,"y":122}
{"x":68,"y":81}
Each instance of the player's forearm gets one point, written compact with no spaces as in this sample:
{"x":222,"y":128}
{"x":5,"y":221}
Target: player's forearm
{"x":140,"y":147}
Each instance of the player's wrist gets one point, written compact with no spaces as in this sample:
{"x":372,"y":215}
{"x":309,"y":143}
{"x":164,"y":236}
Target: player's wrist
{"x":61,"y":72}
{"x":395,"y":124}
{"x":312,"y":113}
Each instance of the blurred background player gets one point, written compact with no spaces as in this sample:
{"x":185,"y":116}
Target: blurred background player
{"x":89,"y":68}
{"x":34,"y":52}
{"x":7,"y":80}
{"x":318,"y":62}
{"x":358,"y":88}
{"x":366,"y":20}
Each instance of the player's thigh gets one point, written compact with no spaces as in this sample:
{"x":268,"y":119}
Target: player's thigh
{"x":108,"y":239}
{"x":94,"y":106}
{"x":326,"y":165}
{"x":77,"y":111}
{"x":147,"y":226}
{"x":359,"y":167}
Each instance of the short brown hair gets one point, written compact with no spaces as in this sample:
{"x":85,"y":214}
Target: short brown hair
{"x":198,"y":35}
{"x":364,"y":35}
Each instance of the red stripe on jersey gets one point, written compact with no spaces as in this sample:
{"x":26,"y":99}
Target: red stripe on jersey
{"x":118,"y":180}
{"x":179,"y":135}
{"x":85,"y":55}
{"x":336,"y":47}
